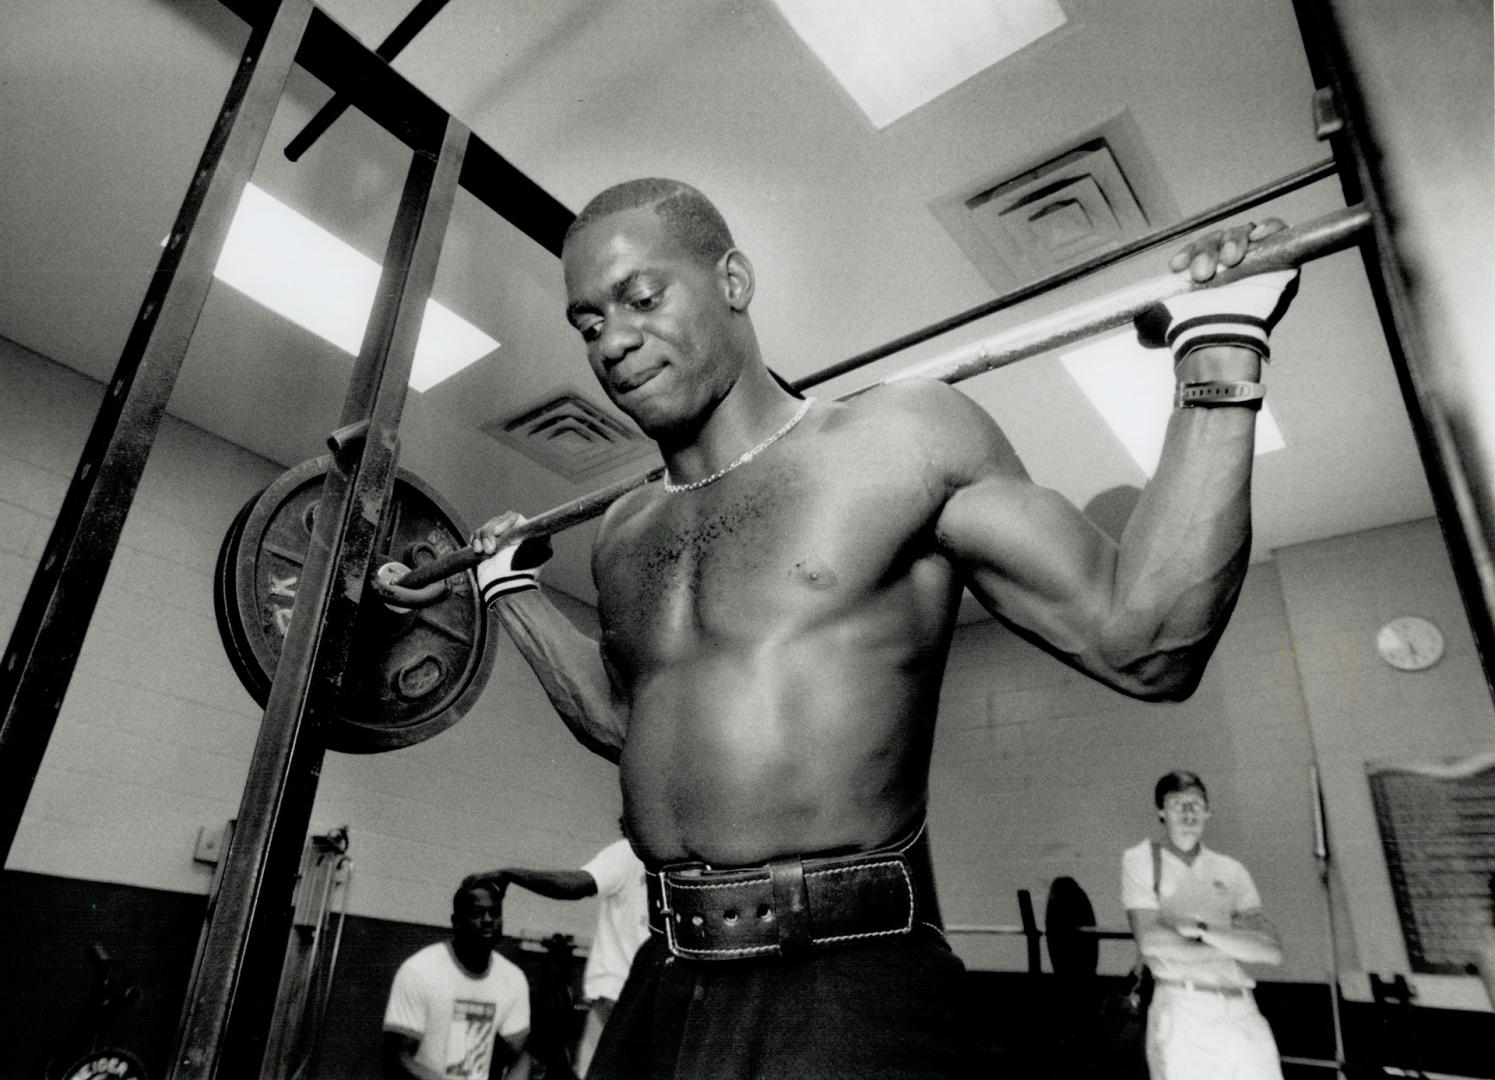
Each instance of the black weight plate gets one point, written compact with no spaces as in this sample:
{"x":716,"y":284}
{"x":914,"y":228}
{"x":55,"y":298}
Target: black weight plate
{"x":411,"y":674}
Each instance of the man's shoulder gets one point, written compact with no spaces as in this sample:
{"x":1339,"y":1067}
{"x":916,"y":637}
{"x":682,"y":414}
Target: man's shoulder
{"x":935,"y":423}
{"x":910,"y":399}
{"x":504,"y":970}
{"x":1138,"y":851}
{"x":1219,"y":862}
{"x":427,"y":960}
{"x":611,"y":867}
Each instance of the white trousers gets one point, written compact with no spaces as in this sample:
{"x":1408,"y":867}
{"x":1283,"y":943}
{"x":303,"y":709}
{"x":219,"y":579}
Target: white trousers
{"x":1197,"y":1035}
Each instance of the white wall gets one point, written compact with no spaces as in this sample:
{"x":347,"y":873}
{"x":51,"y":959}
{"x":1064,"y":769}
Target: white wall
{"x":1339,"y":592}
{"x":155,"y":735}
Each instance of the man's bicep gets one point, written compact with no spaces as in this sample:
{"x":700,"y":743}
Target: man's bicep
{"x":1137,"y":891}
{"x":1029,"y":556}
{"x":1142,"y":920}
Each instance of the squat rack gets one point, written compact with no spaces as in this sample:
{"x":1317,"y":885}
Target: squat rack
{"x":223,"y":1029}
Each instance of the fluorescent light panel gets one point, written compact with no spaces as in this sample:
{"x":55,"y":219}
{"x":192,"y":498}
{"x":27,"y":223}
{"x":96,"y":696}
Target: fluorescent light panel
{"x":1132,"y":389}
{"x":302,"y":272}
{"x":894,"y":55}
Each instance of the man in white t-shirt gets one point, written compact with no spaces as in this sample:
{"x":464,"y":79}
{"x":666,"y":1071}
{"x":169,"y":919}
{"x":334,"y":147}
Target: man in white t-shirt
{"x":1197,"y":916}
{"x":616,"y":876}
{"x":452,"y":1002}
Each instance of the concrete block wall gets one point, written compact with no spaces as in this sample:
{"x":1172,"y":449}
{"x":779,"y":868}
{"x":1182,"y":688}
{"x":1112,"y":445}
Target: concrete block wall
{"x":155,"y":735}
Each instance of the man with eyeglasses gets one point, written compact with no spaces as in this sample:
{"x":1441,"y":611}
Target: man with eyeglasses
{"x":1197,"y":917}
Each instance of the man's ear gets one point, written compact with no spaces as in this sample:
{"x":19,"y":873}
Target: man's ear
{"x":735,"y":273}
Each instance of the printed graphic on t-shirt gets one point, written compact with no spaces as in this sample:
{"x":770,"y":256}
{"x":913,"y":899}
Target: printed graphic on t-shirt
{"x":469,"y":1040}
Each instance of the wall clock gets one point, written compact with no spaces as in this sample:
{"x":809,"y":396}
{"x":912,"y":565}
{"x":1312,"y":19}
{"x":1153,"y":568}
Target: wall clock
{"x":1410,"y":643}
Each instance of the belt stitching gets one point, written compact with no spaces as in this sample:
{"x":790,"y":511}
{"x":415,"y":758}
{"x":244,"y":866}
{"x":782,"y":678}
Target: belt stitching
{"x":669,"y":934}
{"x":665,"y":910}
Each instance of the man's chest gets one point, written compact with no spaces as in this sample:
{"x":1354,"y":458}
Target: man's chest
{"x":795,"y":537}
{"x":1202,"y":891}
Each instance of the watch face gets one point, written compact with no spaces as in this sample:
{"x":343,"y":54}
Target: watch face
{"x":1410,"y":643}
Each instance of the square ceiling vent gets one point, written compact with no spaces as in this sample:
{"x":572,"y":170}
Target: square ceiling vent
{"x":569,"y":435}
{"x":1079,"y":203}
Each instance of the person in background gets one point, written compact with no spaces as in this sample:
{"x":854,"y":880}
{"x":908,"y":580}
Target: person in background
{"x":453,"y":1003}
{"x":1197,"y":917}
{"x":616,"y":876}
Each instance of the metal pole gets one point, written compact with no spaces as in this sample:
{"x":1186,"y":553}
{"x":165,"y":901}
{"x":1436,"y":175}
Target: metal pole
{"x":1293,"y":247}
{"x":49,"y":631}
{"x":1030,"y":931}
{"x":1321,"y":854}
{"x":1412,"y":87}
{"x":388,"y":49}
{"x":223,"y":1030}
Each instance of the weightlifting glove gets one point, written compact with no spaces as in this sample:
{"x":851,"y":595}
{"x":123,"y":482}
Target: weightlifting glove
{"x":513,"y":569}
{"x":1242,"y":313}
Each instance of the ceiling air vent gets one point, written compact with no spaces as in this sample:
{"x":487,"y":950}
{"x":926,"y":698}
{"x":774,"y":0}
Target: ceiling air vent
{"x":570,"y":436}
{"x":1077,"y":204}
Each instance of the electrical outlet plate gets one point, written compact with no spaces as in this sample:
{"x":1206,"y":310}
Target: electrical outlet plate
{"x":209,"y":847}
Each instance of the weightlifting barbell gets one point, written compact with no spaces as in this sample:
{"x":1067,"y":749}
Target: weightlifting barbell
{"x":427,"y":633}
{"x":1289,"y":248}
{"x":1068,"y":924}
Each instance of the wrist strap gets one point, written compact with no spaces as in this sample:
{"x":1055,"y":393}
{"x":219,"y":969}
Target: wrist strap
{"x":1209,"y":395}
{"x":507,"y":586}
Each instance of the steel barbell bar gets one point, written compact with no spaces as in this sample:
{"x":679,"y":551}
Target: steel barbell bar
{"x":1326,"y":235}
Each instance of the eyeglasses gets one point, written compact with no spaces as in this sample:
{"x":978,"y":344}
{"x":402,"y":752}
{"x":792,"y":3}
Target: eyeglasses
{"x":1182,"y":806}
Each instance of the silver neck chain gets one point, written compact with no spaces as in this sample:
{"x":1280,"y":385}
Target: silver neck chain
{"x":675,"y":489}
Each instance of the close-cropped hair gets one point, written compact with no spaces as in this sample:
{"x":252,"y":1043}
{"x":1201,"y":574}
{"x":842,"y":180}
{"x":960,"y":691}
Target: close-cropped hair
{"x":688,"y":215}
{"x":459,"y":898}
{"x":1178,"y":780}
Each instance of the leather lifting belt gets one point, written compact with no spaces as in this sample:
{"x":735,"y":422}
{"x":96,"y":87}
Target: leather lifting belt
{"x":789,"y":905}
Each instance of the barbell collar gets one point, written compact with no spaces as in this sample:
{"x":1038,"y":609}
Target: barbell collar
{"x":387,"y":584}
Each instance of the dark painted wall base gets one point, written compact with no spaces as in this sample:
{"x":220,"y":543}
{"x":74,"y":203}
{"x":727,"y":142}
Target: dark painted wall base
{"x":1034,"y":1027}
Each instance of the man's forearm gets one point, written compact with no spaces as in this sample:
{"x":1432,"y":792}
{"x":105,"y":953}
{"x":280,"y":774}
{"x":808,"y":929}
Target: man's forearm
{"x":554,"y":884}
{"x":1185,"y":549}
{"x":1248,"y":946}
{"x":403,"y":1066}
{"x":1164,"y":943}
{"x":570,"y":669}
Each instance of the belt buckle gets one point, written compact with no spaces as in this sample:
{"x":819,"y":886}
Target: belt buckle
{"x":667,"y":911}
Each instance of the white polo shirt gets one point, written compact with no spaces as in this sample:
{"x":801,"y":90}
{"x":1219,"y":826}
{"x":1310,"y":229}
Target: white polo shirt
{"x":1215,"y":888}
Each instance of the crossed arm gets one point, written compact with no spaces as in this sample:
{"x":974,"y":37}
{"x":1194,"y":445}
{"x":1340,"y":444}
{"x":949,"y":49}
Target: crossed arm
{"x":1249,"y":938}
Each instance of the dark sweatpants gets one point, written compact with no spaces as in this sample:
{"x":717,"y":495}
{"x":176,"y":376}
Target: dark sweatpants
{"x":887,"y":1007}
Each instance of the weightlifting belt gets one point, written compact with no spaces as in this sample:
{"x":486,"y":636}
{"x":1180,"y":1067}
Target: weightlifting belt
{"x":790,"y":905}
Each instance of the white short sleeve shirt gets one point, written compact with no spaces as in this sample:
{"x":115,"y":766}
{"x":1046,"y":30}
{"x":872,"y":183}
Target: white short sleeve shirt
{"x":622,"y":919}
{"x":1215,"y":888}
{"x":456,"y":1016}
